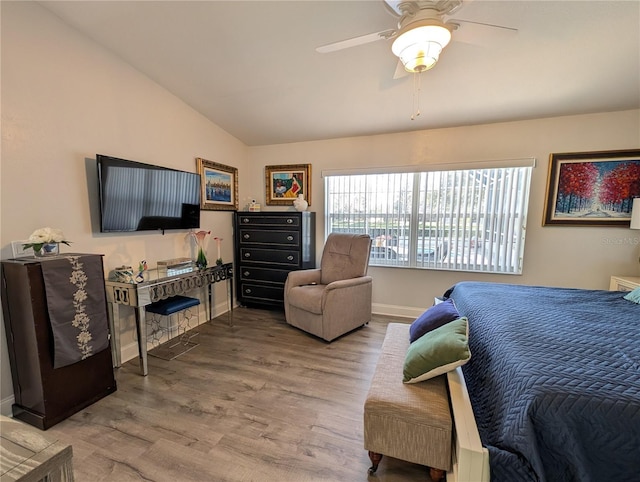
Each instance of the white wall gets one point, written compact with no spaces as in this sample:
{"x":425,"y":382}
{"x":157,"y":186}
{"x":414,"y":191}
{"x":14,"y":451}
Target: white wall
{"x":581,"y":257}
{"x":65,"y":99}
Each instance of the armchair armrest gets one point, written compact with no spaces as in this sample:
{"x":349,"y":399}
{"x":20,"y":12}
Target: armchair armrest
{"x":346,"y":283}
{"x":303,"y":277}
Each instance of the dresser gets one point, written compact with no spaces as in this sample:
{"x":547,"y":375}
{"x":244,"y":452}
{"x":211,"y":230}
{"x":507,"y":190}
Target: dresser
{"x":47,"y":387}
{"x":268,"y":245}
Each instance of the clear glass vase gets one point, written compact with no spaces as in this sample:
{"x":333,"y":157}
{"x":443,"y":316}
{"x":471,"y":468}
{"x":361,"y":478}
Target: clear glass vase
{"x":200,"y":238}
{"x":47,"y":249}
{"x":201,"y":259}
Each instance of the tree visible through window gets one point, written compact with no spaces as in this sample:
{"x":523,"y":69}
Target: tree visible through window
{"x":467,"y":220}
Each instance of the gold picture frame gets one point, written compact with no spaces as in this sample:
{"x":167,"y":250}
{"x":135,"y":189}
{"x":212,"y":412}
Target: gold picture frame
{"x":284,"y":183}
{"x":218,"y":186}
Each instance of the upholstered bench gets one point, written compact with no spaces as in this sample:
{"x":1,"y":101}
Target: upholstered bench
{"x":166,"y":308}
{"x":411,"y":422}
{"x":172,"y":305}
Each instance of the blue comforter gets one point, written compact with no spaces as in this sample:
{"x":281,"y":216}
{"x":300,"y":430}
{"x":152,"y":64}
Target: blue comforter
{"x":554,"y":381}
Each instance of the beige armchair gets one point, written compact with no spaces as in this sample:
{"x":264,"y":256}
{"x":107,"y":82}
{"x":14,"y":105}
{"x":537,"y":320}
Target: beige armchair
{"x":336,"y":298}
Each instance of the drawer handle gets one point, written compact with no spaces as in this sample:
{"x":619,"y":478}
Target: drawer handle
{"x":289,"y":238}
{"x":290,"y":258}
{"x":246,"y":236}
{"x":247,"y":255}
{"x":248,"y":291}
{"x":289,"y":221}
{"x":247,"y":273}
{"x":245,"y":220}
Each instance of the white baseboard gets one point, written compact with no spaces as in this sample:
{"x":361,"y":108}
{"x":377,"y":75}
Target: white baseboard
{"x":410,"y":312}
{"x":5,"y":406}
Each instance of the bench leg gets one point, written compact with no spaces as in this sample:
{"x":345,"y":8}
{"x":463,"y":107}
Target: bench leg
{"x":375,"y":460}
{"x":436,"y":474}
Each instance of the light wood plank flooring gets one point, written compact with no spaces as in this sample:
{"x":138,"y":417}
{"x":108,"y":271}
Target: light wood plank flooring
{"x":257,"y":401}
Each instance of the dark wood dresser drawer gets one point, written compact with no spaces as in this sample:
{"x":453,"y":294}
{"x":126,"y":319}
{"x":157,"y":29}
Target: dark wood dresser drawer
{"x":275,"y":237}
{"x":261,"y":293}
{"x":268,"y":275}
{"x":268,"y":220}
{"x":270,"y":256}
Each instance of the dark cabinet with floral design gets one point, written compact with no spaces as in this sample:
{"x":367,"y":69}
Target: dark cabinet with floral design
{"x":45,"y":395}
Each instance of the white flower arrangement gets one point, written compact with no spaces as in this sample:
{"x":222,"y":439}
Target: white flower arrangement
{"x":44,"y":236}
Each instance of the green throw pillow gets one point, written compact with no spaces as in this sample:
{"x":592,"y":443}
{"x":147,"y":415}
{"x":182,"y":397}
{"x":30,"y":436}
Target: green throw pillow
{"x":437,"y":352}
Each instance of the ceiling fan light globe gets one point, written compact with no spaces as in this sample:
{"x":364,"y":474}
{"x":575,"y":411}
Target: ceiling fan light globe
{"x":420,"y":56}
{"x":419,"y":48}
{"x":417,"y":66}
{"x":422,"y":34}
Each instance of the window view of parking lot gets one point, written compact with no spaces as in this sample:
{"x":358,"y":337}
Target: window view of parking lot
{"x":466,"y":220}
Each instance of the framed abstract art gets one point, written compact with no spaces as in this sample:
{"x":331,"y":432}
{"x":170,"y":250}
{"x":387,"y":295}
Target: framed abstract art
{"x":592,"y":188}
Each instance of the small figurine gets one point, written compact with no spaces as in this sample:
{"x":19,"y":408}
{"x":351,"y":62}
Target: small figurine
{"x":142,"y":267}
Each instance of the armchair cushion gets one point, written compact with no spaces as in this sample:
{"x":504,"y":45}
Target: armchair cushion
{"x":345,"y":256}
{"x":307,"y":298}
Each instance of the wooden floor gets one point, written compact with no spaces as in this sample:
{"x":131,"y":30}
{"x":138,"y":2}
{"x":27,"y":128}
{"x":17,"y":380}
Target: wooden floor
{"x":257,"y":401}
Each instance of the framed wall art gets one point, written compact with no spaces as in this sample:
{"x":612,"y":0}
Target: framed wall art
{"x":285,"y":183}
{"x":219,"y":186}
{"x":592,"y":188}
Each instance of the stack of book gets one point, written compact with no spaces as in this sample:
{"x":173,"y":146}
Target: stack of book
{"x":176,"y":266}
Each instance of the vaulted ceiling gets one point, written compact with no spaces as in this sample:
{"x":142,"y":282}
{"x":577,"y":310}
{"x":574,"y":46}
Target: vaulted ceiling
{"x":252,"y":68}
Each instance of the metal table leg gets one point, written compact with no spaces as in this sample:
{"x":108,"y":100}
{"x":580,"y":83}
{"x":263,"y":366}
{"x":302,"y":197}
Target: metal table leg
{"x":141,"y":328}
{"x":114,"y":327}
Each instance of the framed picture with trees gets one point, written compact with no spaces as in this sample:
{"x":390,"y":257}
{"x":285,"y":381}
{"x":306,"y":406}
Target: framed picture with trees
{"x":592,"y":188}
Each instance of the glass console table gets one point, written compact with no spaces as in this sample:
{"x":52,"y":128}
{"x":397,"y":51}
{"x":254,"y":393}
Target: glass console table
{"x":158,"y":286}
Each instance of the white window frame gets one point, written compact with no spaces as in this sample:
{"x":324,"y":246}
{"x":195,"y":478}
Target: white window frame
{"x":477,"y":224}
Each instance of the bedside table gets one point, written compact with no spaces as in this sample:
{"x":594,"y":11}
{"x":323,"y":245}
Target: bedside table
{"x":624,"y":283}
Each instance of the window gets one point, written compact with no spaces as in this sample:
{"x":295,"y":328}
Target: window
{"x":464,"y":220}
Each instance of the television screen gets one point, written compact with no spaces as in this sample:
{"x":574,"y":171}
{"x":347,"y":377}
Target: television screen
{"x":140,"y":197}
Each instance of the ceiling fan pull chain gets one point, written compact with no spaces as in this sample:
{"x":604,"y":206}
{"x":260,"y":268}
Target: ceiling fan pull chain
{"x":416,"y":95}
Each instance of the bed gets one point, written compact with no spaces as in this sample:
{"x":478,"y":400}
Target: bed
{"x":554,"y":381}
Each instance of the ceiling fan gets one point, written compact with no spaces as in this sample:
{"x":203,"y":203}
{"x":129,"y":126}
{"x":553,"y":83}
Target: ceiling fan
{"x":424,"y":28}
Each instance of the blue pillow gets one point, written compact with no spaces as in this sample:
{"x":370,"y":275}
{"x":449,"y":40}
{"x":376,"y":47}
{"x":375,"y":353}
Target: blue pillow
{"x":435,"y":317}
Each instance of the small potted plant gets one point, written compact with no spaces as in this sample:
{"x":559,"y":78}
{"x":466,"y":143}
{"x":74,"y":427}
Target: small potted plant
{"x":46,"y":241}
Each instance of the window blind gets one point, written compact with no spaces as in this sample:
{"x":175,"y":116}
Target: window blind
{"x":465,"y":219}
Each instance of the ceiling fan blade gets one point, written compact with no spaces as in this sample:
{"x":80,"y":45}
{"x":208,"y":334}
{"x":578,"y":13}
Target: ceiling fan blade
{"x":353,"y":42}
{"x":400,"y":71}
{"x":478,"y":33}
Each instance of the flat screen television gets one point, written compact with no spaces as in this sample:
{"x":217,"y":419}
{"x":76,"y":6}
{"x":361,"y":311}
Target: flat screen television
{"x":142,"y":197}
